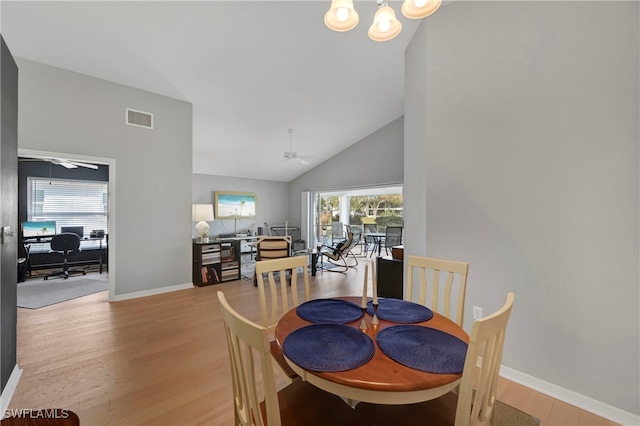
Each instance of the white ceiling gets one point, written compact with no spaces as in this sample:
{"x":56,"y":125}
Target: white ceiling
{"x":252,"y":70}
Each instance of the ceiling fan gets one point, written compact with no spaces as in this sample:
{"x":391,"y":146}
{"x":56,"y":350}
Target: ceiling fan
{"x":69,"y":164}
{"x":291,"y":154}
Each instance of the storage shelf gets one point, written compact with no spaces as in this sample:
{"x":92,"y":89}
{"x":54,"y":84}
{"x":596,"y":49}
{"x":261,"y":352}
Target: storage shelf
{"x":215,"y":262}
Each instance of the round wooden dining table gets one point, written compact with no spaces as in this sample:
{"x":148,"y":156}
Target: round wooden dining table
{"x":381,"y":380}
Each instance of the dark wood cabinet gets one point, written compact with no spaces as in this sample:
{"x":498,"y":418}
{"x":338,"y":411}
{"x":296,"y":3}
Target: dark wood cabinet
{"x":216,"y":262}
{"x":390,"y":277}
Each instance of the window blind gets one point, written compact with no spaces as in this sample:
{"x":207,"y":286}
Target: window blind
{"x":68,"y":202}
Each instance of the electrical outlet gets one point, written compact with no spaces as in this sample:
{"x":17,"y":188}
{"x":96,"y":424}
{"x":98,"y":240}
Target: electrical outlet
{"x":477,"y":312}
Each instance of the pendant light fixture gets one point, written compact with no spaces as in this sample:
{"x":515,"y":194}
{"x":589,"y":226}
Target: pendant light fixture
{"x":343,"y":17}
{"x":385,"y":24}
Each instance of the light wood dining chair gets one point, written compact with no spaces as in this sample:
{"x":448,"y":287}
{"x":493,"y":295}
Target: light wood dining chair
{"x":255,"y":399}
{"x":280,"y":301}
{"x":475,"y":401}
{"x":272,"y":248}
{"x":456,"y":282}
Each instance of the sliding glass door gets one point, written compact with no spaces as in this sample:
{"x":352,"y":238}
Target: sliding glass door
{"x":377,"y":207}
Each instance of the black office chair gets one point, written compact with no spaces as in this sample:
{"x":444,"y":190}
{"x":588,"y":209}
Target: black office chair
{"x":23,"y":264}
{"x":66,"y":244}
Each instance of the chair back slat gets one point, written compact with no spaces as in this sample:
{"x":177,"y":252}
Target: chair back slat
{"x":455,"y":284}
{"x":279,"y":290}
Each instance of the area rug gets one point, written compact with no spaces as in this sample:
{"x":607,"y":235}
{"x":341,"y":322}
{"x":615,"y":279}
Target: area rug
{"x":248,"y":267}
{"x":34,"y":294}
{"x":506,"y":415}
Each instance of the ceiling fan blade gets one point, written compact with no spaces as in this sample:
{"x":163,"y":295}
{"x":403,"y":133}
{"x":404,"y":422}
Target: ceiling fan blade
{"x":292,"y":155}
{"x":61,"y":162}
{"x":69,"y":164}
{"x":87,"y":165}
{"x":72,"y":164}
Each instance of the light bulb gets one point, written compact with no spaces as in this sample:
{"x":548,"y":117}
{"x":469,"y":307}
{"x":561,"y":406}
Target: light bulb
{"x":420,"y":3}
{"x":384,"y":25}
{"x":342,"y":14}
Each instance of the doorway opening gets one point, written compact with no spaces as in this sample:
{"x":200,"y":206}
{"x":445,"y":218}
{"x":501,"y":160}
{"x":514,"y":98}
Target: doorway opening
{"x":37,"y":202}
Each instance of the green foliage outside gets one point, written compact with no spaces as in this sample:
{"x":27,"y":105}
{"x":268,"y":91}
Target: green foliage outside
{"x":383,"y":210}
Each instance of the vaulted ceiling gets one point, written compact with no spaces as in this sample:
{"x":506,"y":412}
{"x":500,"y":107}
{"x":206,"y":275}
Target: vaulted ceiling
{"x":252,"y":70}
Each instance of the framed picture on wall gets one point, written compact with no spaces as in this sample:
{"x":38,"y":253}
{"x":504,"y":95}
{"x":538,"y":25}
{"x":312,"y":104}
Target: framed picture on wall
{"x":235,"y":205}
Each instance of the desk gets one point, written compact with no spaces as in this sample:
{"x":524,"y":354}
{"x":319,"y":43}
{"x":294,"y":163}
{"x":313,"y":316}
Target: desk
{"x":378,"y":236}
{"x":381,"y":380}
{"x":249,"y":243}
{"x":29,"y":242}
{"x":285,"y":231}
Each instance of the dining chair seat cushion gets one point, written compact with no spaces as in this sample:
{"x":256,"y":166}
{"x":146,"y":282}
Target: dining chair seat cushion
{"x":400,"y":311}
{"x":328,"y":347}
{"x":302,"y":404}
{"x":329,"y":311}
{"x":278,"y":357}
{"x":423,"y":348}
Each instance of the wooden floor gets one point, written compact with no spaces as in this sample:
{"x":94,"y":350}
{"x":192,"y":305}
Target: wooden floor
{"x":162,"y":360}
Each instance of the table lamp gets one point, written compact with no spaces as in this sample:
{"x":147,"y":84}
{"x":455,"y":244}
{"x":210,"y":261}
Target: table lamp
{"x":202,"y":213}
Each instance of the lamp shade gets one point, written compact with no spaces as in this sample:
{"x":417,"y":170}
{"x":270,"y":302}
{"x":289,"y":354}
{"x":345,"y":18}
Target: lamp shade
{"x":417,"y":9}
{"x":202,"y":213}
{"x":341,"y":16}
{"x":385,"y":24}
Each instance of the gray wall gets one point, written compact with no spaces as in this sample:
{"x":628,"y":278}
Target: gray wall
{"x":272,"y":204}
{"x":67,"y":112}
{"x":375,"y":160}
{"x":521,"y":157}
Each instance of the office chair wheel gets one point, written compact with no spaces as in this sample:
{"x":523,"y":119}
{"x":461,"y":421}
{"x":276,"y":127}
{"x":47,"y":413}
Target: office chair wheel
{"x":46,"y":278}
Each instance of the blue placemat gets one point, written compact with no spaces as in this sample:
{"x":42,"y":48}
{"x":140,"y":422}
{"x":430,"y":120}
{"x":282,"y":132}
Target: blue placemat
{"x":329,"y":311}
{"x":422,"y":348}
{"x":328,"y":347}
{"x":400,"y":311}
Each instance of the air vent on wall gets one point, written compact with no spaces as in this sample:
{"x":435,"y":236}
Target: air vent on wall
{"x":139,"y":118}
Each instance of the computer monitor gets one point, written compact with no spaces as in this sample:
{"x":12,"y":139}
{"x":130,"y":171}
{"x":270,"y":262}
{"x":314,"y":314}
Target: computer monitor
{"x":78,"y":230}
{"x":38,"y":229}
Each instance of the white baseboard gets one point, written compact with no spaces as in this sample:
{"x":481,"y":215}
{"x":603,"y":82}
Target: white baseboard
{"x":151,"y":292}
{"x":9,"y":389}
{"x":570,"y":397}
